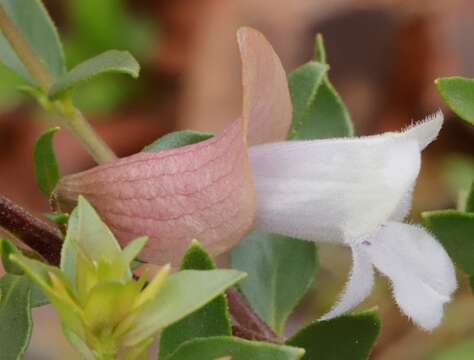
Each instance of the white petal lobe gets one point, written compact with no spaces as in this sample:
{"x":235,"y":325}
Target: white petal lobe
{"x":420,"y":270}
{"x":426,"y":131}
{"x":358,"y":287}
{"x":332,"y":190}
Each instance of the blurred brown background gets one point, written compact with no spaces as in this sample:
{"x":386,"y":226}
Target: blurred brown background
{"x":384,"y":56}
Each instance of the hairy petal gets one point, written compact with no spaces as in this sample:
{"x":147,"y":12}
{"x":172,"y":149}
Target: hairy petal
{"x":358,"y":287}
{"x":425,"y":131}
{"x":332,"y":190}
{"x":420,"y":270}
{"x":266,"y":98}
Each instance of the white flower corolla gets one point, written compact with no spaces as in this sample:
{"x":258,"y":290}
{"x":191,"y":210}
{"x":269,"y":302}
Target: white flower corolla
{"x":357,"y":192}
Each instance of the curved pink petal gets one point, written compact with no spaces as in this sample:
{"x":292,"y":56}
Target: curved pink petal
{"x":266,"y":99}
{"x":203,"y":191}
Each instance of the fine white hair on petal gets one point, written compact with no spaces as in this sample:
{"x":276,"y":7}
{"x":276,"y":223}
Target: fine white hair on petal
{"x":421,"y":272}
{"x":426,"y":130}
{"x":357,"y":288}
{"x":332,"y":190}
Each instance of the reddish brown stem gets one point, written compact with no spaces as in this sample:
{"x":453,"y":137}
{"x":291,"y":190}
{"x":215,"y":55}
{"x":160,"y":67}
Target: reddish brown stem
{"x":35,"y":233}
{"x":249,"y":324}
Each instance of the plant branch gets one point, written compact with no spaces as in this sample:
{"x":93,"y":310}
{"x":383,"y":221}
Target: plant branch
{"x":27,"y":56}
{"x":71,"y":117}
{"x":250,"y":325}
{"x":83,"y":131}
{"x":35,"y":233}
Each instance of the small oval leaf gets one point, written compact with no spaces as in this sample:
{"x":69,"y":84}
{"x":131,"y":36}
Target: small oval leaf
{"x":109,"y":61}
{"x":458,"y":93}
{"x":15,"y":316}
{"x":211,"y":320}
{"x":226,"y":347}
{"x":345,"y":337}
{"x":33,"y":21}
{"x":280,"y":271}
{"x":46,"y":165}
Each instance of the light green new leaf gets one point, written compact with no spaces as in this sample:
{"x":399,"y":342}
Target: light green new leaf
{"x":458,"y":93}
{"x":211,"y":320}
{"x":46,"y":165}
{"x":182,"y":294}
{"x":235,"y":348}
{"x":346,"y":337}
{"x":109,"y":61}
{"x":177,"y":139}
{"x":454,"y":229}
{"x":88,"y":232}
{"x":15,"y":316}
{"x":280,"y":271}
{"x":33,"y":21}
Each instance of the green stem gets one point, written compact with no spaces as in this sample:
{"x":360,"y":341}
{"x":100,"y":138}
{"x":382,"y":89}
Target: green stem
{"x":83,"y":131}
{"x":72,"y":118}
{"x":27,"y":56}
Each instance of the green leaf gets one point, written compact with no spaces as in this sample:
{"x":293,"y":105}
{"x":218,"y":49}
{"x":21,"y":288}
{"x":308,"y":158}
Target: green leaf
{"x":235,"y":348}
{"x":280,"y":271}
{"x":33,"y":21}
{"x":15,"y":316}
{"x":211,"y":320}
{"x":109,"y":61}
{"x":346,"y":337}
{"x":46,"y":165}
{"x":454,"y":229}
{"x":88,"y":232}
{"x":177,"y":139}
{"x":7,"y":248}
{"x":458,"y":93}
{"x":303,"y":84}
{"x":182,"y":294}
{"x":470,"y":199}
{"x":318,"y":110}
{"x":38,"y":298}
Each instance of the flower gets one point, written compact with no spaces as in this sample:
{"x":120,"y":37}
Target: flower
{"x":350,"y":191}
{"x":357,"y":192}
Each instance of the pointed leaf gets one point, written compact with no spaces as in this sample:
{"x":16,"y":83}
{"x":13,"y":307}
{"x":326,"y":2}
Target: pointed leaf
{"x":7,"y":248}
{"x":280,"y":271}
{"x":46,"y":165}
{"x":304,"y":83}
{"x":182,"y":294}
{"x":454,"y":230}
{"x":470,"y":199}
{"x":345,"y":337}
{"x":211,"y":320}
{"x":109,"y":61}
{"x":458,"y":93}
{"x":15,"y":316}
{"x":325,"y":115}
{"x":177,"y":139}
{"x":33,"y":21}
{"x":234,"y":348}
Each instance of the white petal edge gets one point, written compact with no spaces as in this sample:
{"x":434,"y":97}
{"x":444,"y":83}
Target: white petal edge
{"x":421,"y":272}
{"x":357,"y":288}
{"x":426,"y":130}
{"x":332,"y":190}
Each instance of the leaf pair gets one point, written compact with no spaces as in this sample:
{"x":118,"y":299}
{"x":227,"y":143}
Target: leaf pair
{"x":455,"y":228}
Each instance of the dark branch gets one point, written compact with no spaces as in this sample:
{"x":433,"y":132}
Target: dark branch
{"x":35,"y":233}
{"x":250,"y":325}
